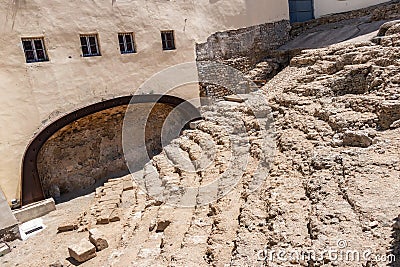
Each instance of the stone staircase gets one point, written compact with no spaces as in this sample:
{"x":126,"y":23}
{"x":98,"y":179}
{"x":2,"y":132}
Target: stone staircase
{"x":185,"y":220}
{"x":185,"y":207}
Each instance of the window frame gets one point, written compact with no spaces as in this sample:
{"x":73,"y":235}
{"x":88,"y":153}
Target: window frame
{"x":34,"y":49}
{"x":125,"y":43}
{"x":164,"y":40}
{"x":88,"y":44}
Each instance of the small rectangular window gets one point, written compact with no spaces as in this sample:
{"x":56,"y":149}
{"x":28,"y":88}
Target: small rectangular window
{"x":34,"y":49}
{"x":90,"y":45}
{"x":168,"y":40}
{"x":126,"y":43}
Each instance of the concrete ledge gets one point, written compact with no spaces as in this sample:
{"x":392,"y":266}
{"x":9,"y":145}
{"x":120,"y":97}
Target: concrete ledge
{"x":34,"y":210}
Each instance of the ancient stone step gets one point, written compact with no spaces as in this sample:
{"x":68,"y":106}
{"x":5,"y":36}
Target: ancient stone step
{"x":163,"y":165}
{"x":203,"y":140}
{"x":178,"y":157}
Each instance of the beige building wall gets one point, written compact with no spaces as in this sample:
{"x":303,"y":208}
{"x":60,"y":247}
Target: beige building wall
{"x":326,"y":7}
{"x":33,"y":95}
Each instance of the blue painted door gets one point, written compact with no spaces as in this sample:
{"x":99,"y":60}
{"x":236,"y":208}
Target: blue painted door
{"x":301,"y":10}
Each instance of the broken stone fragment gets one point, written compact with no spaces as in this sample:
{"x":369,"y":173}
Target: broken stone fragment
{"x":56,"y":264}
{"x":83,"y":251}
{"x":234,"y":98}
{"x":97,"y":238}
{"x":69,"y":226}
{"x":356,"y":139}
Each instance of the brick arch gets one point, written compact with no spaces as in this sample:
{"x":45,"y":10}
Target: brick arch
{"x":32,"y":190}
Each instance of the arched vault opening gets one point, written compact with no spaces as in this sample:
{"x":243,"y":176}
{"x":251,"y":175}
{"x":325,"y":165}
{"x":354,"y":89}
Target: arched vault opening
{"x":32,"y":186}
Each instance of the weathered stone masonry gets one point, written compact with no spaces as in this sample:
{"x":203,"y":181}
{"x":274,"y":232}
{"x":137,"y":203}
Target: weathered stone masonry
{"x":243,"y":49}
{"x":90,"y":149}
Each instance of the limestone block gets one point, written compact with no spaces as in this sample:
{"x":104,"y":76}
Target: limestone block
{"x":234,"y":98}
{"x":98,"y":239}
{"x":83,"y":251}
{"x":110,"y":197}
{"x":110,"y":204}
{"x":127,"y":185}
{"x":68,"y":226}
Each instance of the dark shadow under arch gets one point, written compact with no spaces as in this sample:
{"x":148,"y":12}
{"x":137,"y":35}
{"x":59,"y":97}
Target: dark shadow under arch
{"x":32,"y":190}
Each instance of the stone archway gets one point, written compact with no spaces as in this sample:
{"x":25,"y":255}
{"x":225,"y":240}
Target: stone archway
{"x":32,"y":188}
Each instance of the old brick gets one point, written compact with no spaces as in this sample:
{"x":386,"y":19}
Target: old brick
{"x":83,"y":251}
{"x":98,"y":239}
{"x":69,"y":226}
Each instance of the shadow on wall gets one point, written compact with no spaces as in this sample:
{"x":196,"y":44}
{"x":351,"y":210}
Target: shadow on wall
{"x":85,"y":153}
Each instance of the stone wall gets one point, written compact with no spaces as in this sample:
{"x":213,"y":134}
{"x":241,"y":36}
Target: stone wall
{"x":89,"y":150}
{"x":242,"y":49}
